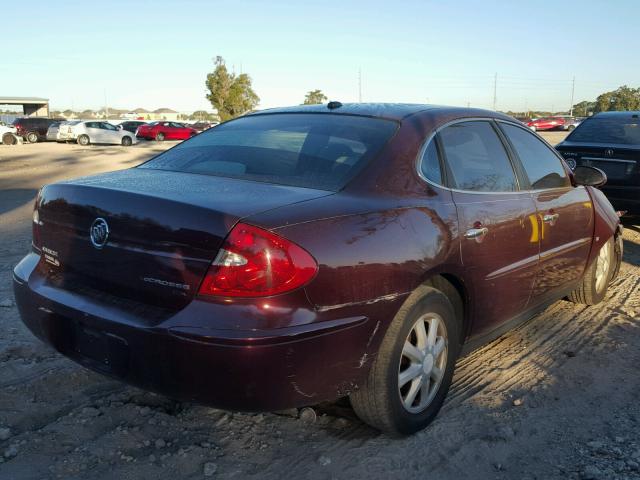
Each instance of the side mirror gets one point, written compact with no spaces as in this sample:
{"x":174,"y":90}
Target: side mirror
{"x":589,"y":176}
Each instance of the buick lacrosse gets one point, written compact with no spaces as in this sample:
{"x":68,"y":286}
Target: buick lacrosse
{"x":299,"y":255}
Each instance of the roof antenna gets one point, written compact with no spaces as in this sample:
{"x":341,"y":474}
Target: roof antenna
{"x":333,"y":105}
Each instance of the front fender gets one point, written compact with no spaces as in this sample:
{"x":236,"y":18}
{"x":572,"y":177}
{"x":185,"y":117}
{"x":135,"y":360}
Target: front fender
{"x":606,"y":224}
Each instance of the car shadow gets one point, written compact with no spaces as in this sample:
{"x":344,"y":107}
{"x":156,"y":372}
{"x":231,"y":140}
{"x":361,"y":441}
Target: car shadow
{"x":11,"y":198}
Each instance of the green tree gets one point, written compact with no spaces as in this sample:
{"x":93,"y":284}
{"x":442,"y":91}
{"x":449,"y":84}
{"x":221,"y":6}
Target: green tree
{"x":314,"y":97}
{"x":584,"y":108}
{"x":623,"y":98}
{"x":229,"y":93}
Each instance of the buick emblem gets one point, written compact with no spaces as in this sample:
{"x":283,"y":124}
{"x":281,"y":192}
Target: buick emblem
{"x":99,"y":232}
{"x":608,"y":152}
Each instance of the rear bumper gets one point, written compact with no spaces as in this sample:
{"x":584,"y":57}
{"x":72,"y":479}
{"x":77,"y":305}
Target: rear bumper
{"x":184,"y":356}
{"x":624,"y":197}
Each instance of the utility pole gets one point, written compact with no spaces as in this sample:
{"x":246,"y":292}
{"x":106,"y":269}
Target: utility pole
{"x":106,"y":109}
{"x":359,"y":85}
{"x":573,"y":88}
{"x":495,"y":90}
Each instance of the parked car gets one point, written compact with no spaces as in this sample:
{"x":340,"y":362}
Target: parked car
{"x":611,"y":142}
{"x":66,"y":132}
{"x":34,"y":129}
{"x":547,"y":123}
{"x":298,"y":255}
{"x":86,"y":132}
{"x":8,"y":134}
{"x":131,"y":125}
{"x":161,"y":131}
{"x":201,"y":126}
{"x":53,"y":131}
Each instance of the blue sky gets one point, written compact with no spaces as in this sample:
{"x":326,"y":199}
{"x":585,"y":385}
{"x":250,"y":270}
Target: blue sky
{"x":155,"y":54}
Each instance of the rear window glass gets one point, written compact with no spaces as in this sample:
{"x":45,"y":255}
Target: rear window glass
{"x":622,"y":129}
{"x":308,"y":150}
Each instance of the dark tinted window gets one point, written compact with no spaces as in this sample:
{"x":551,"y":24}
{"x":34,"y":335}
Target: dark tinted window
{"x":542,"y":165}
{"x":476,"y":158}
{"x":309,"y":150}
{"x":430,"y":165}
{"x":622,"y":129}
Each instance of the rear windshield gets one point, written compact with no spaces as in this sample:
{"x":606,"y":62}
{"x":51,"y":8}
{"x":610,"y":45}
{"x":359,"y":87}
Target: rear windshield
{"x":623,"y":130}
{"x":319,"y":151}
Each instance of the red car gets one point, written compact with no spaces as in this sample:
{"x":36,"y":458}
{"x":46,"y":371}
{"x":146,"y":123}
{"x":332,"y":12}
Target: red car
{"x":165,"y":131}
{"x":547,"y":123}
{"x":298,"y":255}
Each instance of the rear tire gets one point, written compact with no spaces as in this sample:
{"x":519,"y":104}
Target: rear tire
{"x":571,"y":128}
{"x":595,"y":281}
{"x":411,"y":374}
{"x":32,"y":137}
{"x":160,"y":137}
{"x":83,"y":140}
{"x":126,"y":141}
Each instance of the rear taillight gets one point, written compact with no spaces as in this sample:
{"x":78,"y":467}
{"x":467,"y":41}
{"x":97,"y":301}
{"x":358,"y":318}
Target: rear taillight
{"x":36,"y":224}
{"x":255,"y":263}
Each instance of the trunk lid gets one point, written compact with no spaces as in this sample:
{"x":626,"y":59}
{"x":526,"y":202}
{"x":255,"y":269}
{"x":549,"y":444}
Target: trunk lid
{"x":164,"y":229}
{"x":621,"y":163}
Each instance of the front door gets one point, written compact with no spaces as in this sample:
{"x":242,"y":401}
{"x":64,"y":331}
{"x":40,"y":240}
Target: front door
{"x":499,"y":244}
{"x":565,"y":214}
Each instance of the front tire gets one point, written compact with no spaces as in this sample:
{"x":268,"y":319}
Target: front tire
{"x":32,"y":137}
{"x":595,"y":281}
{"x":126,"y":141}
{"x":411,"y":375}
{"x":83,"y":140}
{"x":160,"y":137}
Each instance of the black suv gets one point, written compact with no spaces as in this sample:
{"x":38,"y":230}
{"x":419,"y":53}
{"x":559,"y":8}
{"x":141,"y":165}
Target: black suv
{"x":34,"y":129}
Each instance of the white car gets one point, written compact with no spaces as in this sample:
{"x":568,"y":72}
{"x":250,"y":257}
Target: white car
{"x":94,"y":131}
{"x":8,"y":134}
{"x":53,"y":132}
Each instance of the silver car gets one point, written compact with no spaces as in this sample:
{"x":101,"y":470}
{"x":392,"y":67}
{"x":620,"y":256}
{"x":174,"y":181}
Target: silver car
{"x":96,"y":131}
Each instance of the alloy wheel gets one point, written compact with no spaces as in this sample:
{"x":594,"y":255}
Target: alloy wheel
{"x":423,"y":362}
{"x":603,"y":266}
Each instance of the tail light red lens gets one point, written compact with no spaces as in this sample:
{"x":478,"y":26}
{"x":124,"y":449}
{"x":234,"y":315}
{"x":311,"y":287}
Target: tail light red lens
{"x":257,"y":263}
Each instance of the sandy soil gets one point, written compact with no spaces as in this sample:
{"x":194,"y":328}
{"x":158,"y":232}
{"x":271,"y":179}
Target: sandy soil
{"x":555,"y":398}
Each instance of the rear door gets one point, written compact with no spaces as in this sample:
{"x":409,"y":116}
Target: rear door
{"x":565,"y":213}
{"x":110,"y":133}
{"x":499,"y":247}
{"x":94,"y":131}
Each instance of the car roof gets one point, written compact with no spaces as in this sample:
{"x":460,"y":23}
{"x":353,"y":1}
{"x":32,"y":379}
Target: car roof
{"x":630,"y":113}
{"x":393,"y":111}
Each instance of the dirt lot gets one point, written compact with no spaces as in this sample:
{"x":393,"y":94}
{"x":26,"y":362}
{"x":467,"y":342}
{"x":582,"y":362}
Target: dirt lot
{"x":555,"y":398}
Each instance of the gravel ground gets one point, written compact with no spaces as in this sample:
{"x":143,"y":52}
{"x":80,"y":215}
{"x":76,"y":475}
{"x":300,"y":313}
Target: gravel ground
{"x":554,"y":398}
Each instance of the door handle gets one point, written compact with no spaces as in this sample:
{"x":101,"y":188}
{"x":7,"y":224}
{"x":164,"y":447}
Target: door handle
{"x":550,"y":218}
{"x":476,"y":233}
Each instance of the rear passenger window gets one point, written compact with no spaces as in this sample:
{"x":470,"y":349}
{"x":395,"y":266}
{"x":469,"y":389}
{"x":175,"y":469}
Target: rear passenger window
{"x":476,"y":158}
{"x":541,"y":164}
{"x":430,"y":163}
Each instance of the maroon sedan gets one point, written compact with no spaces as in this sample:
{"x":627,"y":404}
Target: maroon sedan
{"x":161,"y":131}
{"x":299,"y":255}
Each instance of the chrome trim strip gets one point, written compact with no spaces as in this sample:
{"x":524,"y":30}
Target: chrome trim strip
{"x":552,"y":252}
{"x":519,"y":265}
{"x":425,"y":144}
{"x":617,"y":160}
